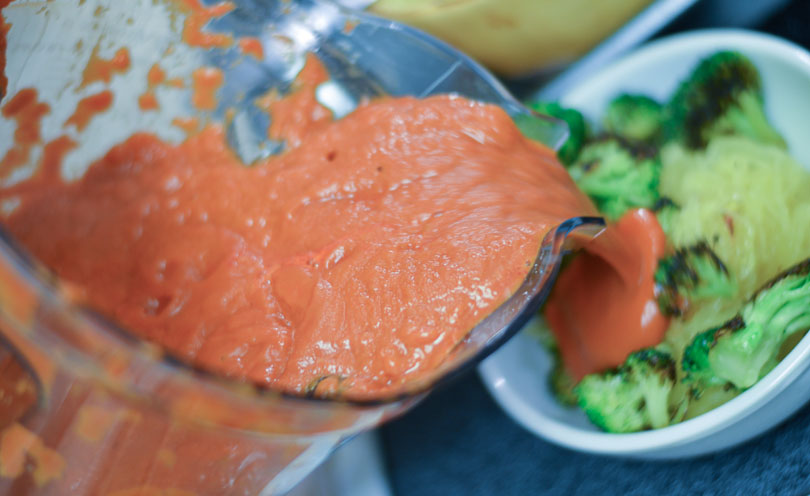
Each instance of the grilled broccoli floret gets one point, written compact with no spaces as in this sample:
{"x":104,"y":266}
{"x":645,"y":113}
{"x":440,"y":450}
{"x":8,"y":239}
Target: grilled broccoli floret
{"x":691,"y":273}
{"x":744,"y":349}
{"x":617,"y":175}
{"x":722,"y":96}
{"x":576,"y":128}
{"x":562,"y":384}
{"x":636,"y":117}
{"x":637,"y":395}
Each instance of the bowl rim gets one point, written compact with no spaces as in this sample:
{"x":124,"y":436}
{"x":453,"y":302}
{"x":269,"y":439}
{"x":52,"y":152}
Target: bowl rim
{"x":736,"y":409}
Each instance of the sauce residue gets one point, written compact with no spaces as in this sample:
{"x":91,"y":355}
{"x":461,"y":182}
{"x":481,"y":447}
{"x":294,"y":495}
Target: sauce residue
{"x":253,"y":47}
{"x":18,"y":389}
{"x":88,"y":107}
{"x":189,"y":125}
{"x":603,"y":305}
{"x":4,"y":29}
{"x":355,"y":261}
{"x":155,"y":76}
{"x":148,"y":101}
{"x":206,"y":81}
{"x":99,"y":69}
{"x":198,"y":16}
{"x":27,"y":112}
{"x":20,"y":447}
{"x":299,"y":113}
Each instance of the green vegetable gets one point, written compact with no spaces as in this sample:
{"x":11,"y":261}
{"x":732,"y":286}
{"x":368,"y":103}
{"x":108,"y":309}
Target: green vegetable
{"x":560,"y":381}
{"x":617,"y":175}
{"x":562,"y":384}
{"x":722,"y":96}
{"x":744,"y":349}
{"x":640,"y":394}
{"x":691,"y":273}
{"x":635,"y":117}
{"x":666,"y":211}
{"x":576,"y":128}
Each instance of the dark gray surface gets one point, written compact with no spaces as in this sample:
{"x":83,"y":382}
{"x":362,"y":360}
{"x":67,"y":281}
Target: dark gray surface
{"x":460,"y":442}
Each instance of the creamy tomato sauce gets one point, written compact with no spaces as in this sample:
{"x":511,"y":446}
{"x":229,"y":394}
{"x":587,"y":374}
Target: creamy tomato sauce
{"x":364,"y":254}
{"x":603,"y":306}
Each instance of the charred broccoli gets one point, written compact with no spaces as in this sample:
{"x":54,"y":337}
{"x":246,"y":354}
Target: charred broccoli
{"x":691,"y":273}
{"x":617,"y":175}
{"x":562,"y":383}
{"x":722,"y":96}
{"x":576,"y":128}
{"x":635,"y":396}
{"x":744,"y":349}
{"x":635,"y":117}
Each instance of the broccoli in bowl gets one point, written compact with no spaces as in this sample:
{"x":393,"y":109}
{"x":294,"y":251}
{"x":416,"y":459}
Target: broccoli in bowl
{"x":731,"y":281}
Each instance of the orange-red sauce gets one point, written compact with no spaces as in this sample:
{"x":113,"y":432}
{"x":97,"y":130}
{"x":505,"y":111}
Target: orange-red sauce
{"x":300,"y":113}
{"x":253,"y":47}
{"x":365,"y":253}
{"x":4,"y":29}
{"x":156,"y":75}
{"x":603,"y":305}
{"x":88,"y":107}
{"x":99,"y":69}
{"x":206,"y":81}
{"x":19,"y":446}
{"x":28,"y":112}
{"x":148,"y":101}
{"x":18,"y":389}
{"x":189,"y":125}
{"x":198,"y":16}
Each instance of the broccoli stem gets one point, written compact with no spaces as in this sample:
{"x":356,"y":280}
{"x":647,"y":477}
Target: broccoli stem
{"x":746,"y":348}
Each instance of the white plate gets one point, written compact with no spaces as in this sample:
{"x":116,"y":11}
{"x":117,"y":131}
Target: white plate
{"x":516,"y":375}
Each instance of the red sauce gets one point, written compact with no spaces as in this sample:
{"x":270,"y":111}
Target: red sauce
{"x":253,"y":47}
{"x":198,"y":17}
{"x":18,"y":390}
{"x":349,"y":26}
{"x":99,"y":69}
{"x":19,"y":446}
{"x":206,"y":81}
{"x":603,"y":305}
{"x":365,"y":253}
{"x":189,"y":125}
{"x":175,"y":83}
{"x":4,"y":29}
{"x":28,"y":112}
{"x":148,"y":101}
{"x":88,"y":107}
{"x":155,"y":76}
{"x":299,"y":113}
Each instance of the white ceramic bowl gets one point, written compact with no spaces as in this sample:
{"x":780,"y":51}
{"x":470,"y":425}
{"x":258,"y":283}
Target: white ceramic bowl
{"x":516,"y":375}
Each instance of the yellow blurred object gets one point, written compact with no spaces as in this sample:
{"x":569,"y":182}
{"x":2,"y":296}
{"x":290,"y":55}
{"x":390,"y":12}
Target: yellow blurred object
{"x":515,"y":37}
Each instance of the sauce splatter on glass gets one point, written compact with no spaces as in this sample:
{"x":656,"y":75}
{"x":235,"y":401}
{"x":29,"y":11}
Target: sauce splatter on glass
{"x":28,"y":112}
{"x":101,"y":69}
{"x":206,"y":81}
{"x":89,"y":107}
{"x":199,"y":16}
{"x":253,"y":47}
